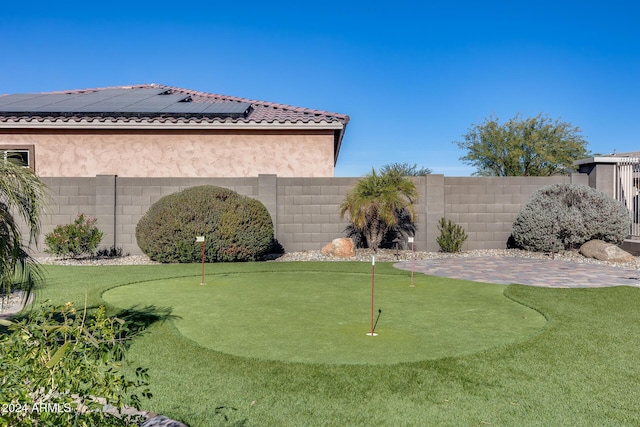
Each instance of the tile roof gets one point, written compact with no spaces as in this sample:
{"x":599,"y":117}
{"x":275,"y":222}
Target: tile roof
{"x":56,"y":109}
{"x":258,"y":112}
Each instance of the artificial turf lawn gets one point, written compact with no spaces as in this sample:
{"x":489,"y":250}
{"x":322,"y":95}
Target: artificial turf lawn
{"x":324,"y":316}
{"x":582,"y":369}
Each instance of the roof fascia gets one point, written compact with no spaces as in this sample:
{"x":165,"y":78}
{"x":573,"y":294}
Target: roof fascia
{"x":46,"y":124}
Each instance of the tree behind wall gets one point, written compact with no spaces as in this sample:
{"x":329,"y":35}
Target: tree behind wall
{"x":405,"y":169}
{"x":377,"y":203}
{"x":536,"y":146}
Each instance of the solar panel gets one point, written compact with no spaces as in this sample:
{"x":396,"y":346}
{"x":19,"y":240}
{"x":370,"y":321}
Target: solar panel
{"x":134,"y":101}
{"x":227,"y":108}
{"x":152,"y":104}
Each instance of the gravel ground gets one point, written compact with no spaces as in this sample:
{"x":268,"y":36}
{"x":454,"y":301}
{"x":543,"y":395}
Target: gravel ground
{"x":393,"y":256}
{"x":363,"y":255}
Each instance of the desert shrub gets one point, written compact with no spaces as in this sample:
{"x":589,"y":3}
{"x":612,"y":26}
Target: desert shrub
{"x":452,"y":236}
{"x":81,"y":237}
{"x":61,"y":367}
{"x":235,"y":227}
{"x":564,"y":216}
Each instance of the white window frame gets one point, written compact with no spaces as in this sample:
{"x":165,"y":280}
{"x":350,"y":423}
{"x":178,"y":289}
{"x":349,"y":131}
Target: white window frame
{"x":6,"y":150}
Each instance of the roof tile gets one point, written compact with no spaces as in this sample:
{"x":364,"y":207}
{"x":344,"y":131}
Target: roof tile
{"x":260,"y":112}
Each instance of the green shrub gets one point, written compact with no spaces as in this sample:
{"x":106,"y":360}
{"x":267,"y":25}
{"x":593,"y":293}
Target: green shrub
{"x":452,"y":236}
{"x":60,"y":367}
{"x":235,"y":227}
{"x":79,"y":238}
{"x":564,"y":216}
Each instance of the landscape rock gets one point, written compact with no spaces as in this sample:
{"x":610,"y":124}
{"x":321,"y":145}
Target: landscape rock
{"x":162,"y":421}
{"x":341,"y":247}
{"x":604,"y":251}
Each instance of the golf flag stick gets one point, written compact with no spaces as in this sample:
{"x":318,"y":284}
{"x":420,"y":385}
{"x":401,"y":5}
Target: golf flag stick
{"x":373,"y":268}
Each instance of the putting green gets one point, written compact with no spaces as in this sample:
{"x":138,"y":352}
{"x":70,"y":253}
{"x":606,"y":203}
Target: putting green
{"x":317,"y":317}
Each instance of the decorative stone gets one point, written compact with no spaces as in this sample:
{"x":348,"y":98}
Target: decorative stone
{"x":162,"y":421}
{"x":341,"y":247}
{"x":604,"y":251}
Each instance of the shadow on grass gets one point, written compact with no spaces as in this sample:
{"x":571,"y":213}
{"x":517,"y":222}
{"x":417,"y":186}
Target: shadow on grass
{"x":138,"y":318}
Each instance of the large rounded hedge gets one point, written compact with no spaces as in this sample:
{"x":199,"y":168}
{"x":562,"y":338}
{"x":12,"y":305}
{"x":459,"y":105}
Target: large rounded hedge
{"x":564,"y":216}
{"x":235,"y":227}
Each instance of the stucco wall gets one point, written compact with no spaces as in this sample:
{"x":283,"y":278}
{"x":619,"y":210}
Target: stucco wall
{"x":238,"y":153}
{"x":305,"y":211}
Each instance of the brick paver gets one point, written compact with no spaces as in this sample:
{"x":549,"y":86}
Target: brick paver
{"x":525,"y":271}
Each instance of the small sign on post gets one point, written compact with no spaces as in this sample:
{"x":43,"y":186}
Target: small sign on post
{"x":201,"y":240}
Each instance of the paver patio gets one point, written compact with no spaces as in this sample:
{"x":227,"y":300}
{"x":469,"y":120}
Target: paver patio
{"x":533,"y":272}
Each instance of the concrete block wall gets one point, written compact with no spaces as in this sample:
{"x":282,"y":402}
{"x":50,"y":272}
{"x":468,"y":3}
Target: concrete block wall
{"x":308,"y":211}
{"x":118,"y":203}
{"x":305,"y":211}
{"x":68,"y":197}
{"x":487,"y":206}
{"x":430,"y":208}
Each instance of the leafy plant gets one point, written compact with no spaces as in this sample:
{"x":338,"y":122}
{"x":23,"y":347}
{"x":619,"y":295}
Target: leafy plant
{"x":64,"y":367}
{"x":564,"y":216}
{"x":22,"y":196}
{"x":452,"y":236}
{"x":235,"y":227}
{"x":377,"y":203}
{"x":75,"y":239}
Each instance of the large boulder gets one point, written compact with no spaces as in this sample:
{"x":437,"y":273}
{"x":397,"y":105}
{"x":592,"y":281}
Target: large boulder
{"x":342,"y":247}
{"x":604,"y":251}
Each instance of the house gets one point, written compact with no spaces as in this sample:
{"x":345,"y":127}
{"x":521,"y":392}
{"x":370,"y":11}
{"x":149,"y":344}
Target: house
{"x":153,"y":130}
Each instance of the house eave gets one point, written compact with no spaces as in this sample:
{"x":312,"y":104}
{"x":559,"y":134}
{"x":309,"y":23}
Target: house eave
{"x":606,"y":159}
{"x":165,"y":125}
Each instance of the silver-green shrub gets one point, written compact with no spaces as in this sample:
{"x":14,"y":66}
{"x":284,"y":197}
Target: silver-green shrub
{"x":564,"y":216}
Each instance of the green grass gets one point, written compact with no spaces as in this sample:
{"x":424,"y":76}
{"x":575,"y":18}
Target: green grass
{"x":581,"y":369}
{"x":298,"y":315}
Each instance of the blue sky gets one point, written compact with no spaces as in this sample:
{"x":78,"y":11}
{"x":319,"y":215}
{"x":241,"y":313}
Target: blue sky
{"x":413,"y":77}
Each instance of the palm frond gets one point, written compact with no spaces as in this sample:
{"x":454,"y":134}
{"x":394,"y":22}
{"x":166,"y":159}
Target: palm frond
{"x":374,"y":204}
{"x":22,"y":196}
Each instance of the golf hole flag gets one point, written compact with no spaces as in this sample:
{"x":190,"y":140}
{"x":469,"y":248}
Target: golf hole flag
{"x":373,"y":266}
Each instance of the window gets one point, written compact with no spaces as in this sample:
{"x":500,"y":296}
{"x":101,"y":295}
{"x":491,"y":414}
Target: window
{"x":23,"y":154}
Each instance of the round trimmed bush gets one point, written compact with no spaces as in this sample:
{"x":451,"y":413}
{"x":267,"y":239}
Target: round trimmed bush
{"x":564,"y":216}
{"x":235,"y":227}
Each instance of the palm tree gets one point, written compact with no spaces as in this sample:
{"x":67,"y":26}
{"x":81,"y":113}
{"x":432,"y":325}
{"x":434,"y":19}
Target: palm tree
{"x":22,"y":196}
{"x":377,"y":202}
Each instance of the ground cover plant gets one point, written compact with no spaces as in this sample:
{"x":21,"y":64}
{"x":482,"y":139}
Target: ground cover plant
{"x":580,"y":369}
{"x":60,"y":366}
